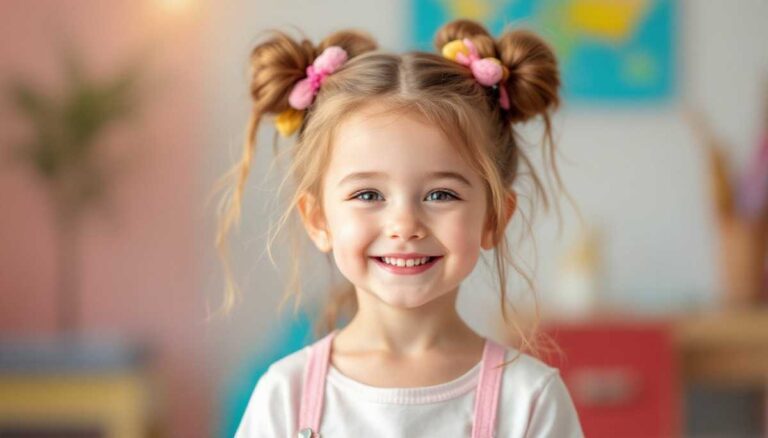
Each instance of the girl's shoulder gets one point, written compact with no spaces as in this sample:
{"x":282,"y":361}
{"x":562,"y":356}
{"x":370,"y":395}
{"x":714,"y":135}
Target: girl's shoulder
{"x":534,"y":393}
{"x":525,"y":372}
{"x":288,"y":370}
{"x":274,"y":402}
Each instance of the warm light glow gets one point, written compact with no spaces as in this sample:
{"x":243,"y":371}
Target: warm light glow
{"x":171,"y":16}
{"x":175,"y":6}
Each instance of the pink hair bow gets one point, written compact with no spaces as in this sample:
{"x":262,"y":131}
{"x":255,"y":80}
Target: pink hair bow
{"x":487,"y":71}
{"x":303,"y":93}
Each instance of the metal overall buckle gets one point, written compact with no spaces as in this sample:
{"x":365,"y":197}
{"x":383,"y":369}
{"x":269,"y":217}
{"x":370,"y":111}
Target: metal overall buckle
{"x":308,"y":433}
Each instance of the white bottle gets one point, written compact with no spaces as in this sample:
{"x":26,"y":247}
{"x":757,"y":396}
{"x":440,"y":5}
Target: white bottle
{"x":577,"y":286}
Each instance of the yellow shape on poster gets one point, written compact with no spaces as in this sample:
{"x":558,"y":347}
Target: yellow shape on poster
{"x":614,"y":20}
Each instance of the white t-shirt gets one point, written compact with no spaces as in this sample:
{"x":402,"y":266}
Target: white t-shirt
{"x":534,"y":402}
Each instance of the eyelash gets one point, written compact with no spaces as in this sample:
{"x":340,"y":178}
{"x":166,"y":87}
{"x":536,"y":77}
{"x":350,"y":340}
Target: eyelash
{"x":358,"y":194}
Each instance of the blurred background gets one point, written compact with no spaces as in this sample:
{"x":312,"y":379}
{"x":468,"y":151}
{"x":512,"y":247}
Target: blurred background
{"x":117,"y":118}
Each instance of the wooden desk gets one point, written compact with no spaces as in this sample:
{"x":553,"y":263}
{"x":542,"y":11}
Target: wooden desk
{"x":728,"y":348}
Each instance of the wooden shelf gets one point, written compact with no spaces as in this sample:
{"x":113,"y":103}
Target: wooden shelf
{"x":725,"y":348}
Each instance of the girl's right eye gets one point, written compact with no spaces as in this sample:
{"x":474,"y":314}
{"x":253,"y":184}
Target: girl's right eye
{"x":359,"y":195}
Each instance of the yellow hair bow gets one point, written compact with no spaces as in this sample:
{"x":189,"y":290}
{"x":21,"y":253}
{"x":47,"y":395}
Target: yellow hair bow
{"x":288,"y":121}
{"x":487,"y":71}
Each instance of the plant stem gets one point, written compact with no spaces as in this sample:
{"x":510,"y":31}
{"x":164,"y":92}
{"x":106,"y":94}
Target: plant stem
{"x":68,"y":265}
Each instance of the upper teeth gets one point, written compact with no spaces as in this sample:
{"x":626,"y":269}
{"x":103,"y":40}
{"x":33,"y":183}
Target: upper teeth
{"x":404,"y":262}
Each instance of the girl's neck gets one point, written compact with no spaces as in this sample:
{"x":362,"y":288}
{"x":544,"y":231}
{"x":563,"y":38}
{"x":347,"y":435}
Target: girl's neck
{"x":379,"y":327}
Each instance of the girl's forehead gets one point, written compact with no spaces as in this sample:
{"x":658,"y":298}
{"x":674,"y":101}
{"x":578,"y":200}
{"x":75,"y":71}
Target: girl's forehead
{"x":392,"y":144}
{"x":369,"y":135}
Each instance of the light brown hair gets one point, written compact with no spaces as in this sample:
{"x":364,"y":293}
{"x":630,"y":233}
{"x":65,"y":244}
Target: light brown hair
{"x":426,"y":85}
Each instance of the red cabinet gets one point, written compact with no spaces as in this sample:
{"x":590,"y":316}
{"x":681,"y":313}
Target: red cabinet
{"x":623,"y":376}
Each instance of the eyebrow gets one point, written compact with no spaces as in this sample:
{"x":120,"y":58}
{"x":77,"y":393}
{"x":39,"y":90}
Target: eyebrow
{"x":357,"y":176}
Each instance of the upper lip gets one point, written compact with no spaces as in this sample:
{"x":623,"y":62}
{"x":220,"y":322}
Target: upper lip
{"x":400,"y":255}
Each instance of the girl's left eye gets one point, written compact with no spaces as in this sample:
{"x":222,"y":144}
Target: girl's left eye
{"x":451,"y":195}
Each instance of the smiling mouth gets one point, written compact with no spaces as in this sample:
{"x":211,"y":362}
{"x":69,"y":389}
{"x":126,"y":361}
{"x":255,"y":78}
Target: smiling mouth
{"x":429,"y":259}
{"x":406,"y":270}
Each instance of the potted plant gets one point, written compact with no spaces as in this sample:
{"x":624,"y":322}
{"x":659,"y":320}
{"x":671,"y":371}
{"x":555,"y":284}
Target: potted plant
{"x":64,"y":151}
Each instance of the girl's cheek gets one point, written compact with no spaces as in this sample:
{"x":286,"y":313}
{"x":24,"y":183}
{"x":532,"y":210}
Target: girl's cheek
{"x":460,"y":227}
{"x":462,"y":242}
{"x":353,"y":235}
{"x":460,"y":238}
{"x":352,"y":224}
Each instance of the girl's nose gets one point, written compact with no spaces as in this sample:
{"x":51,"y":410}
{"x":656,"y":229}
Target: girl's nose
{"x":405,"y":224}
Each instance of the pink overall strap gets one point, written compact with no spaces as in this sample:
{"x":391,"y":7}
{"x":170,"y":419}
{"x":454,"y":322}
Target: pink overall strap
{"x":314,"y":384}
{"x":488,"y":391}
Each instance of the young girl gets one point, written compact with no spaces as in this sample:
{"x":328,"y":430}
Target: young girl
{"x":404,"y":167}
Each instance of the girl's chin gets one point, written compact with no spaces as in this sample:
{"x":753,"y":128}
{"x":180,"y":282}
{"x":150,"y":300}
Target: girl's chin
{"x":404,"y":300}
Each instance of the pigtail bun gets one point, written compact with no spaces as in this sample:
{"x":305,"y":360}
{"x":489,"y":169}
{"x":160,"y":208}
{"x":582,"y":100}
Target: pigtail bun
{"x":275,"y":65}
{"x":278,"y":63}
{"x":462,"y":28}
{"x":534,"y":78}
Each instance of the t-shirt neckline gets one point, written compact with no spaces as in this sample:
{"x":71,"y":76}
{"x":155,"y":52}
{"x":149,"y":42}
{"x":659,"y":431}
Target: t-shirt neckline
{"x":414,"y":395}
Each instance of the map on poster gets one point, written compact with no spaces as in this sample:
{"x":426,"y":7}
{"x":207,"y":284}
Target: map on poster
{"x":609,"y":50}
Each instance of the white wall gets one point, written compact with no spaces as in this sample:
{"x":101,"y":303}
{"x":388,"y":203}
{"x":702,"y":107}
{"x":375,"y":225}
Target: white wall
{"x":637,"y":173}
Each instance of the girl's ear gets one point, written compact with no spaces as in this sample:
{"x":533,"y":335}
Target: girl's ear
{"x":488,"y":241}
{"x":314,"y":221}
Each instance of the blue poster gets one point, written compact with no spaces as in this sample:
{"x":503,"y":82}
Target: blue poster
{"x":609,"y":50}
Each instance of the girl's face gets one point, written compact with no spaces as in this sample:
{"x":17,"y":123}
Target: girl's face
{"x":396,"y":186}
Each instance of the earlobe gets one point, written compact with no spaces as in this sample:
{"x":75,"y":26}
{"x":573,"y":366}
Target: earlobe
{"x":314,"y":223}
{"x":323,"y":242}
{"x":510,"y":206}
{"x":487,"y":241}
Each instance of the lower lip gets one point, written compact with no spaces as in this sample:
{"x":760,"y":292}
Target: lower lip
{"x":407,"y":270}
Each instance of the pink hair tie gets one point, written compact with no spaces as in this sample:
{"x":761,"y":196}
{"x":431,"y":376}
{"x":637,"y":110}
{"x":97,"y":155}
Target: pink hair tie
{"x":303,"y":93}
{"x":487,"y":71}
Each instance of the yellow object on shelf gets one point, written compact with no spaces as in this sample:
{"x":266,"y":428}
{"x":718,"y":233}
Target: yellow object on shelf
{"x":109,"y":405}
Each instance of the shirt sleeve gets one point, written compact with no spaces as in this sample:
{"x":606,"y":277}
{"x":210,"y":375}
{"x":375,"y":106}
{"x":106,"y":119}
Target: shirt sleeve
{"x":554,"y":414}
{"x":268,"y":413}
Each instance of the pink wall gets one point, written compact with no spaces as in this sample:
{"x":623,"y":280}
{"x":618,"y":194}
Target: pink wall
{"x":140,"y":262}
